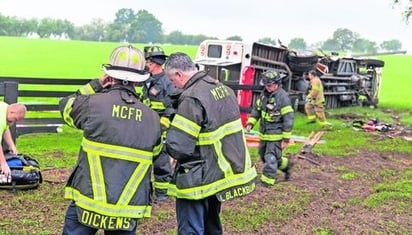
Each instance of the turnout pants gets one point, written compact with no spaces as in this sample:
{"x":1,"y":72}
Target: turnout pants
{"x":314,"y":111}
{"x":270,"y":153}
{"x":199,"y":216}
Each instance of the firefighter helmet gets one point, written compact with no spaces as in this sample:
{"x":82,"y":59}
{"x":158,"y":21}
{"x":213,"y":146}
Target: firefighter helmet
{"x":271,"y":77}
{"x":155,"y":54}
{"x":127,"y":63}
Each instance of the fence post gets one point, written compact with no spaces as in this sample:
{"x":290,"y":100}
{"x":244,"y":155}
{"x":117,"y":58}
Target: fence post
{"x":11,"y":92}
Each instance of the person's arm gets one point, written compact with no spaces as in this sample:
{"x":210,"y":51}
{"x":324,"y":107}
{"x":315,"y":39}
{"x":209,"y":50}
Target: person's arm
{"x":9,"y":141}
{"x":5,"y":169}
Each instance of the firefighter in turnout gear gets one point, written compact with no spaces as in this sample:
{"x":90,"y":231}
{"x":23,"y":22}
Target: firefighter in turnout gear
{"x":110,"y":186}
{"x":314,"y":106}
{"x":273,"y":109}
{"x":206,"y":139}
{"x":156,"y":94}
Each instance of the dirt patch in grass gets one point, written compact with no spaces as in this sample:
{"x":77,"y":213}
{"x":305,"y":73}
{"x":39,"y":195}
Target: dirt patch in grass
{"x":325,"y":199}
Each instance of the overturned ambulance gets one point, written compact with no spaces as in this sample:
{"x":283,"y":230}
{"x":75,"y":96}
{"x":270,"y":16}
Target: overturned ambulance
{"x":347,"y":80}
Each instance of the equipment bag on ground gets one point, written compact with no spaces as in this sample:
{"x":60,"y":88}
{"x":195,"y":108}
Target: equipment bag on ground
{"x":25,"y":173}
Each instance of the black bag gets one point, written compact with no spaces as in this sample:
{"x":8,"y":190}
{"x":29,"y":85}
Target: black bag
{"x":25,"y":173}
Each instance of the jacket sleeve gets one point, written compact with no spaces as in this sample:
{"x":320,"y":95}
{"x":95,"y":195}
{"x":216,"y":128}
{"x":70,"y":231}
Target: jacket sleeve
{"x":74,"y":108}
{"x":184,"y":130}
{"x":255,"y":114}
{"x":288,"y":116}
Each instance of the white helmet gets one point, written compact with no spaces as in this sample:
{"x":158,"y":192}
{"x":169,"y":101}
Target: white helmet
{"x":127,"y":63}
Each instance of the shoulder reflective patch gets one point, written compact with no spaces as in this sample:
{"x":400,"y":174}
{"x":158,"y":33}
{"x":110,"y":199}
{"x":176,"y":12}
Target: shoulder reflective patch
{"x":237,"y":191}
{"x":96,"y":220}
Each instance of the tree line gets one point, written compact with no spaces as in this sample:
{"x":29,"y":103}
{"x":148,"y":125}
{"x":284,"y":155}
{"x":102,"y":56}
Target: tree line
{"x":144,"y":27}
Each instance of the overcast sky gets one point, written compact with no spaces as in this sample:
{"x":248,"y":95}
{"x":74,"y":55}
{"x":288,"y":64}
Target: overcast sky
{"x":313,"y":20}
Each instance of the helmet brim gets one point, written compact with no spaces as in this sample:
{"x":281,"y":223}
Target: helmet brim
{"x":126,"y":75}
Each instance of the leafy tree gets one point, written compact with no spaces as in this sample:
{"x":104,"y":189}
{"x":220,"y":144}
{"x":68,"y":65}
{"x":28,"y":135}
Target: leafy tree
{"x":364,"y":46}
{"x":267,"y":40}
{"x":345,"y":38}
{"x":95,"y":31}
{"x":45,"y":28}
{"x":330,"y":45}
{"x":119,"y":30}
{"x":147,"y":28}
{"x":297,"y":43}
{"x":391,"y":45}
{"x":175,"y":37}
{"x":407,"y":13}
{"x":235,"y":38}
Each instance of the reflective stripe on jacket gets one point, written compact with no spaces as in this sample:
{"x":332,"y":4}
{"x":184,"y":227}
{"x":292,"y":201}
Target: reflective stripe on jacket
{"x":120,"y":138}
{"x":206,"y":138}
{"x":275,"y":113}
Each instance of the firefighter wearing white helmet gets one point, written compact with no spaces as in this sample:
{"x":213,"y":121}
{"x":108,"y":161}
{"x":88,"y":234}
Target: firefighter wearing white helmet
{"x":157,"y":91}
{"x":274,"y":111}
{"x":110,"y":186}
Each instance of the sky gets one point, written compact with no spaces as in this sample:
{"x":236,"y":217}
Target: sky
{"x":313,"y":20}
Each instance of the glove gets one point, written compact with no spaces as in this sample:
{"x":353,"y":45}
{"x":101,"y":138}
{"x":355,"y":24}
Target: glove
{"x":248,"y":127}
{"x":308,"y":99}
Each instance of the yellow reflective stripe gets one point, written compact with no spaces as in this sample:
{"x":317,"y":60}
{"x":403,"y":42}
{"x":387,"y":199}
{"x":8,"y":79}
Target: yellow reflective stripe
{"x":215,"y":136}
{"x":157,"y":149}
{"x":311,"y":117}
{"x":161,"y":185}
{"x":252,"y":120}
{"x":164,"y":121}
{"x":132,"y":184}
{"x":284,"y":163}
{"x":157,"y":105}
{"x":286,"y":109}
{"x":287,"y":134}
{"x":119,"y":152}
{"x":96,"y":174}
{"x":248,"y":159}
{"x":270,"y":137}
{"x":203,"y":191}
{"x":131,"y":211}
{"x":86,"y":89}
{"x":66,"y":112}
{"x":224,"y":165}
{"x":267,"y":180}
{"x":186,"y":125}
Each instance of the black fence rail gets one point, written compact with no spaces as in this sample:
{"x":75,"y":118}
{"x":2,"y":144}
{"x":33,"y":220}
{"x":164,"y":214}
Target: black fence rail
{"x":40,"y":95}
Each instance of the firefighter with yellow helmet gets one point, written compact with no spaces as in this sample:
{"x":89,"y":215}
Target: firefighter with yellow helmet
{"x":110,"y":186}
{"x":274,"y":111}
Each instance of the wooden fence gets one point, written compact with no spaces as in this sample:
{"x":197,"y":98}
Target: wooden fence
{"x":26,"y":90}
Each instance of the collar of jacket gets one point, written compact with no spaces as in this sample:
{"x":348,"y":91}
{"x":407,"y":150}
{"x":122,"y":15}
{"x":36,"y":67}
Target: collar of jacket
{"x":155,"y":77}
{"x":196,"y":77}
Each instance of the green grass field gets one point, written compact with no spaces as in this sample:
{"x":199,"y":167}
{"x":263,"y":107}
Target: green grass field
{"x":43,"y":58}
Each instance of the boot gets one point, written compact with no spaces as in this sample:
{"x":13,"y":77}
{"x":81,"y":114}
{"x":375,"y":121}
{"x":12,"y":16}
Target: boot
{"x":288,"y":170}
{"x":161,"y":195}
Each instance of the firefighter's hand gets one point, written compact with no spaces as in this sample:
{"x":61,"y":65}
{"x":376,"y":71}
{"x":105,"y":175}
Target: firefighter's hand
{"x":106,"y":81}
{"x":248,"y":127}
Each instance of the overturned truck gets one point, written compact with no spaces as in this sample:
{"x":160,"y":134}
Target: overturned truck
{"x":347,"y":80}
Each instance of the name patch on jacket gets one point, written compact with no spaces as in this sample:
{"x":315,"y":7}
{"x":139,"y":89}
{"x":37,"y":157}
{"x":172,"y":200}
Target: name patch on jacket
{"x":95,"y":220}
{"x":238,"y":191}
{"x":126,"y":112}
